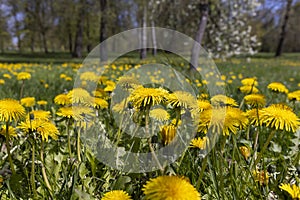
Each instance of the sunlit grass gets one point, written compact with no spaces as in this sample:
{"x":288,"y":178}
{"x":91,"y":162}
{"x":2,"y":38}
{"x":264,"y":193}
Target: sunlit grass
{"x":257,"y":150}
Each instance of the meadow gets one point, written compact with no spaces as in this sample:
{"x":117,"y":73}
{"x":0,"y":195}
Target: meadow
{"x":245,"y":146}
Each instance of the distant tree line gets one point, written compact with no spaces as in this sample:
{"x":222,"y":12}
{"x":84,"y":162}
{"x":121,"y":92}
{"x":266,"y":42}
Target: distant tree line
{"x":226,"y":28}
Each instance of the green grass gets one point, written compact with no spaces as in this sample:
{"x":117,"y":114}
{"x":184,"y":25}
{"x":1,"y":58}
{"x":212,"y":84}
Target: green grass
{"x":222,"y":174}
{"x":26,"y":57}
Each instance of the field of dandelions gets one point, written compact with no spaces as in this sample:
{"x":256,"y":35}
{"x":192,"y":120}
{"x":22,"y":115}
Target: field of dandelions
{"x":256,"y":156}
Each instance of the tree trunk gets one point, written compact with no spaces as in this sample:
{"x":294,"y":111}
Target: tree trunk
{"x":32,"y":41}
{"x":70,"y":38}
{"x":199,"y":35}
{"x":77,"y":53}
{"x":88,"y":35}
{"x":103,"y":48}
{"x":17,"y":27}
{"x":44,"y":41}
{"x":2,"y":45}
{"x":283,"y":28}
{"x":19,"y":43}
{"x":154,"y":50}
{"x":143,"y":52}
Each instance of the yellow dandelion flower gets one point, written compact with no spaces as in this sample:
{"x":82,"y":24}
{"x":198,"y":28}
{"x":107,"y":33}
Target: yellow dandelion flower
{"x":100,"y":103}
{"x":170,"y":187}
{"x":2,"y":81}
{"x":254,"y":117}
{"x":200,"y":143}
{"x":102,"y":79}
{"x":42,"y":102}
{"x":221,"y":120}
{"x":40,"y":114}
{"x":23,"y":76}
{"x":142,"y":97}
{"x":10,"y":110}
{"x":116,"y":195}
{"x":203,"y":105}
{"x":83,"y":111}
{"x":68,"y":78}
{"x":128,"y":82}
{"x":210,"y":120}
{"x":62,"y":76}
{"x":159,"y":114}
{"x":280,"y":117}
{"x":78,"y":113}
{"x":222,"y":100}
{"x":11,"y":131}
{"x":8,"y":76}
{"x":294,"y":96}
{"x":247,"y":89}
{"x":109,"y":88}
{"x":66,"y":112}
{"x":250,"y":81}
{"x":261,"y":176}
{"x":176,"y":122}
{"x":89,"y":76}
{"x":238,"y":116}
{"x":62,"y":99}
{"x":203,"y":96}
{"x":109,"y":82}
{"x":293,"y":190}
{"x":168,"y":133}
{"x":278,"y":87}
{"x":245,"y":151}
{"x":100,"y":93}
{"x":28,"y":101}
{"x":255,"y":100}
{"x":43,"y":127}
{"x":240,"y":76}
{"x":182,"y":99}
{"x":205,"y":82}
{"x":80,"y":96}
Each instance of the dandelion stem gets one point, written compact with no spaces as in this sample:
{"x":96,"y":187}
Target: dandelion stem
{"x":78,"y":145}
{"x":43,"y":167}
{"x":223,"y":143}
{"x":8,"y":149}
{"x":149,"y":140}
{"x":265,"y":147}
{"x":119,"y":134}
{"x":33,"y":172}
{"x":203,"y":167}
{"x":22,"y":88}
{"x":69,"y":140}
{"x":242,"y":103}
{"x":256,"y":135}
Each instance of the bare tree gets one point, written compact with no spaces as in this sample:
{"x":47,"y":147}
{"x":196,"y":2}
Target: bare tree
{"x":200,"y":33}
{"x":143,"y":52}
{"x":153,"y":7}
{"x":284,"y":28}
{"x":103,"y":31}
{"x":79,"y":31}
{"x":17,"y":28}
